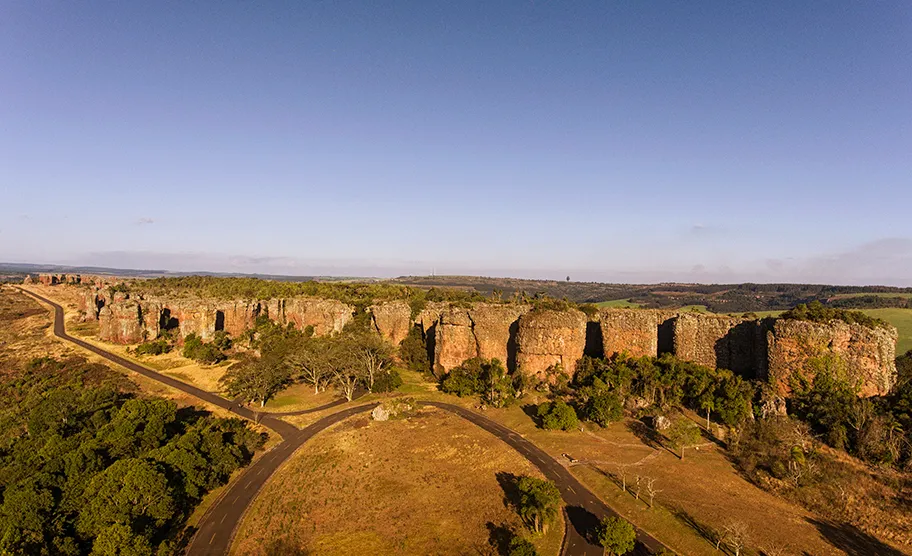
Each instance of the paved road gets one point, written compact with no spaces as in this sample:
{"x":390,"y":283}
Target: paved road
{"x":583,"y":508}
{"x":218,"y":525}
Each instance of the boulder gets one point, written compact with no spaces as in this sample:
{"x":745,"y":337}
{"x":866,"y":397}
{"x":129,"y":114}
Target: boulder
{"x":380,"y":413}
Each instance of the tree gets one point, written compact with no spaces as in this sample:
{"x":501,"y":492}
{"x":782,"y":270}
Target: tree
{"x":497,"y":384}
{"x":616,"y":535}
{"x":310,"y":361}
{"x":681,"y":434}
{"x":120,"y":540}
{"x":255,"y":380}
{"x":557,"y":415}
{"x":343,"y":367}
{"x":521,"y":547}
{"x":133,"y":492}
{"x":539,"y":502}
{"x":373,"y":353}
{"x":603,"y":407}
{"x":651,"y":490}
{"x":735,"y":536}
{"x":413,"y":351}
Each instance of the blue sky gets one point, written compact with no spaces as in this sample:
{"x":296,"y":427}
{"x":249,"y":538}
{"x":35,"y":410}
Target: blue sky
{"x":611,"y":141}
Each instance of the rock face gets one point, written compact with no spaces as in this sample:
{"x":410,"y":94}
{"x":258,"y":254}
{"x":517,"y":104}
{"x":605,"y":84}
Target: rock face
{"x":392,"y":320}
{"x":634,"y":331}
{"x":327,"y":316}
{"x":547,"y":338}
{"x":733,"y":343}
{"x":235,"y":317}
{"x":454,"y":339}
{"x":121,"y":323}
{"x":496,"y":328}
{"x":485,"y":330}
{"x":866,"y":355}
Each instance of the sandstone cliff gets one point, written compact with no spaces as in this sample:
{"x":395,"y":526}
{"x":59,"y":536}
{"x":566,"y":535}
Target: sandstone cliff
{"x":634,"y":331}
{"x":547,"y":338}
{"x":867,"y":355}
{"x":733,"y":343}
{"x":392,"y":320}
{"x":121,"y":323}
{"x":485,"y":330}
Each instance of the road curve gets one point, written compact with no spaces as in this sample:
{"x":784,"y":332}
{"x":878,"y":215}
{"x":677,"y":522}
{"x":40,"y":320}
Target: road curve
{"x":218,"y":525}
{"x":281,"y":427}
{"x":583,"y":508}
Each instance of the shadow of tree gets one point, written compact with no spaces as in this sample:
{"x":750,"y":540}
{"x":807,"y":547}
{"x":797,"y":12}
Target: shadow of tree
{"x":585,"y":522}
{"x":851,"y":539}
{"x":532,"y":411}
{"x":705,"y":531}
{"x":509,"y":483}
{"x":283,"y":546}
{"x":499,"y":537}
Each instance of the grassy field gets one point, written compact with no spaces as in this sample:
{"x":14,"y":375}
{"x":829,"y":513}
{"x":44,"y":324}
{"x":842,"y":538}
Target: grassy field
{"x":902,"y":320}
{"x":424,"y":485}
{"x":617,"y":304}
{"x":851,"y":295}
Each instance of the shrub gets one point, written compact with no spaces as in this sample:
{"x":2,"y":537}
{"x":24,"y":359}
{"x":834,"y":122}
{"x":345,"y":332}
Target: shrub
{"x":414,"y":352}
{"x":155,"y":347}
{"x":603,"y":408}
{"x":557,"y":415}
{"x":388,"y":381}
{"x":816,"y":311}
{"x":195,"y":349}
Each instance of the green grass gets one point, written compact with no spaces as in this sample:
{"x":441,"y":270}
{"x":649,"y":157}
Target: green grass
{"x":694,"y":309}
{"x":901,"y":319}
{"x":617,"y":304}
{"x":885,"y":294}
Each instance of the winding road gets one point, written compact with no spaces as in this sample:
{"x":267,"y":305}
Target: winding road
{"x":218,"y":525}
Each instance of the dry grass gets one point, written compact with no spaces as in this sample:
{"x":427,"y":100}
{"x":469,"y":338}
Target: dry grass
{"x":425,"y":485}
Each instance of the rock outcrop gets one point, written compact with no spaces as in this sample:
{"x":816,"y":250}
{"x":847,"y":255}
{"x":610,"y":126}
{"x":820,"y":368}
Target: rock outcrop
{"x":633,"y":331}
{"x":496,"y":327}
{"x":326,"y":316}
{"x":392,"y":320}
{"x":454,"y":339}
{"x":121,"y":323}
{"x":718,"y":341}
{"x":866,"y":355}
{"x":547,"y":338}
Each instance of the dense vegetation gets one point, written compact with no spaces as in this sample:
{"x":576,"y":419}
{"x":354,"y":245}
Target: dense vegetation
{"x":357,"y":294}
{"x":817,"y":312}
{"x":86,"y":466}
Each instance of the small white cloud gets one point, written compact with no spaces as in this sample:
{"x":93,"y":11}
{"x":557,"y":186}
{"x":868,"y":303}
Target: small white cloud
{"x":144,"y":220}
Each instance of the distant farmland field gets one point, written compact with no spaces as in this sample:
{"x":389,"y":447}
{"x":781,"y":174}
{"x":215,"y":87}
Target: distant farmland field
{"x":902,"y":320}
{"x":617,"y":303}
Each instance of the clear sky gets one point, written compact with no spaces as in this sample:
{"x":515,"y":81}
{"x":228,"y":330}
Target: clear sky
{"x":612,"y":141}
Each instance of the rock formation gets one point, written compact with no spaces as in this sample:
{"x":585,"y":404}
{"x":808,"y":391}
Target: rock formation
{"x":121,"y":323}
{"x":454,"y":339}
{"x":547,"y":338}
{"x":866,"y":355}
{"x":734,"y":343}
{"x":532,"y":341}
{"x":634,"y":331}
{"x":392,"y":320}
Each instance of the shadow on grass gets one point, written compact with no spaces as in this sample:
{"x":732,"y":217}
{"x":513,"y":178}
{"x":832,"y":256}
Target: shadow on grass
{"x":531,"y":410}
{"x":706,"y":532}
{"x":509,"y":483}
{"x":283,"y":546}
{"x":500,"y":537}
{"x":851,"y":539}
